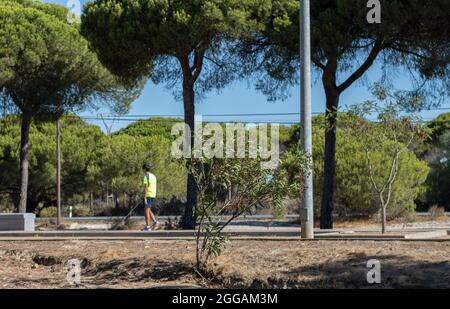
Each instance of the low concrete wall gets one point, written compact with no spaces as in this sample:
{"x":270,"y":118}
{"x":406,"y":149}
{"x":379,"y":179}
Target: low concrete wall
{"x":17,"y":222}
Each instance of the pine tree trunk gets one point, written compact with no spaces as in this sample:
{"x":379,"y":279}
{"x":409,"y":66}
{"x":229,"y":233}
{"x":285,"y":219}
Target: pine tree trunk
{"x":383,"y":219}
{"x":188,"y":221}
{"x":327,"y":207}
{"x":24,"y":163}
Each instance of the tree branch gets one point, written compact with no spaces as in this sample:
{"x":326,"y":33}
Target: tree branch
{"x":214,"y":61}
{"x":377,"y":48}
{"x":196,"y":69}
{"x":371,"y":175}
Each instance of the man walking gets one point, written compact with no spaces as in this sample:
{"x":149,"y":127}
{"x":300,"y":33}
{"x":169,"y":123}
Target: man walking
{"x":149,"y":196}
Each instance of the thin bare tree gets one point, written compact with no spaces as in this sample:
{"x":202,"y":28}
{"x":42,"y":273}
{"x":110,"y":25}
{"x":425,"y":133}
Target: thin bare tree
{"x":397,"y":128}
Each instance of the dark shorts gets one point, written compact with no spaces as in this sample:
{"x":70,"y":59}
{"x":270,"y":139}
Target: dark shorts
{"x":150,"y":205}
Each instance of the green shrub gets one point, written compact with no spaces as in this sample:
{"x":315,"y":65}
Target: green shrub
{"x":6,"y":210}
{"x":48,"y":212}
{"x":81,"y":211}
{"x":353,"y":193}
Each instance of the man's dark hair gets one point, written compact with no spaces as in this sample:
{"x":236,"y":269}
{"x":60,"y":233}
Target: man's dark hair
{"x":146,"y":168}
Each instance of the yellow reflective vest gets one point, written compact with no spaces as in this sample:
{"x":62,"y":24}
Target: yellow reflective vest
{"x":150,"y":180}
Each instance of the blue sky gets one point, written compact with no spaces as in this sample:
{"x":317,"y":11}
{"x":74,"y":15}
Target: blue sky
{"x":240,"y":99}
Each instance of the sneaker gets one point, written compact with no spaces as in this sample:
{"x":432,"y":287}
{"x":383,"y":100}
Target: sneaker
{"x":154,"y":225}
{"x":146,"y":228}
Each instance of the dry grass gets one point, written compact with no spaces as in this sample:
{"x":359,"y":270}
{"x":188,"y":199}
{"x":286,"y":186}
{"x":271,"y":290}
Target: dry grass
{"x":436,"y":212}
{"x":244,"y":264}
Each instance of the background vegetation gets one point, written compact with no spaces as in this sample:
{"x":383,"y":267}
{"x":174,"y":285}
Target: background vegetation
{"x":95,"y":166}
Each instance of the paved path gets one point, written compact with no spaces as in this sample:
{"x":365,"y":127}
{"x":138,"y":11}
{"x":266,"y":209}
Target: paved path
{"x":283,"y":234}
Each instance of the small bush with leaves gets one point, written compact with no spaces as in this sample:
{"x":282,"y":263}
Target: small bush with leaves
{"x":48,"y":212}
{"x":228,"y":188}
{"x":81,"y":211}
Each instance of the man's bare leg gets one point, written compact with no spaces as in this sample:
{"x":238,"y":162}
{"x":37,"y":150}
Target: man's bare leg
{"x":147,"y":215}
{"x":151,"y":215}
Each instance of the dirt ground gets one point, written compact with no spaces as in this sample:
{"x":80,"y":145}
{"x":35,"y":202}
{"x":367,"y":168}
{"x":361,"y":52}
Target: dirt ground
{"x":244,"y":264}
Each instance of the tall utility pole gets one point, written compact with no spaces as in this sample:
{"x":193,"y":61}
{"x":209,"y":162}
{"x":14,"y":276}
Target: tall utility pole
{"x":306,"y":211}
{"x":58,"y":171}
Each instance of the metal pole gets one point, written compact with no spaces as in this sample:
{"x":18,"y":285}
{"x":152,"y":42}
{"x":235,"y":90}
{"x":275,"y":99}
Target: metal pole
{"x":58,"y":171}
{"x":306,"y":211}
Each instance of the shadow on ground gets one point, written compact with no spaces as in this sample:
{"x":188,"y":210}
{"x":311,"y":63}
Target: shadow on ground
{"x":132,"y":270}
{"x":396,"y":272}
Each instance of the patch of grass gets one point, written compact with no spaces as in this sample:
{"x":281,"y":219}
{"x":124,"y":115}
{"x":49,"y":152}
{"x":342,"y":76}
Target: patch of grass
{"x":436,"y":212}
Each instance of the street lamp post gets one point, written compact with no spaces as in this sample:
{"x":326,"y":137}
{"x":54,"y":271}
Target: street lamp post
{"x":58,"y":172}
{"x":306,"y":211}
